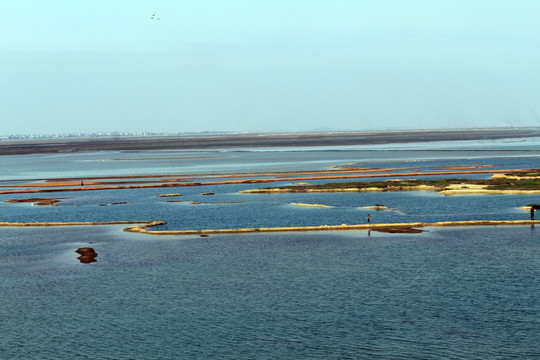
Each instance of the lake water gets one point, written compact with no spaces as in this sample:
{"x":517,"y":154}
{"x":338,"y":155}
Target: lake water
{"x":453,"y":293}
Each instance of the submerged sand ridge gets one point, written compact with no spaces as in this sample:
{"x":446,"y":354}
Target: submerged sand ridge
{"x":35,"y":201}
{"x":80,"y":223}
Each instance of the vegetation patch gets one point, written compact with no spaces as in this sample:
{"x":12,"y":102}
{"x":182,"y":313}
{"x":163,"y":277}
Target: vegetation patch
{"x":514,"y":184}
{"x":498,"y":183}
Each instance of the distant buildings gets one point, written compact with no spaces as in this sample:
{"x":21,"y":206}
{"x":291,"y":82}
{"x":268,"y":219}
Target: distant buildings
{"x":103,"y":134}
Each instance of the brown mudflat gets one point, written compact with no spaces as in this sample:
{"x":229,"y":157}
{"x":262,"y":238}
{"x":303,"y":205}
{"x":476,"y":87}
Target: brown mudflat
{"x":207,"y":141}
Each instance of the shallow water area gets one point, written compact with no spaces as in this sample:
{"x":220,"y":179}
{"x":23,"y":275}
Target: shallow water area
{"x":445,"y":293}
{"x":122,"y":163}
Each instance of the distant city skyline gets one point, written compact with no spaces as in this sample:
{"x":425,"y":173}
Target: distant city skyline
{"x":267,"y":66}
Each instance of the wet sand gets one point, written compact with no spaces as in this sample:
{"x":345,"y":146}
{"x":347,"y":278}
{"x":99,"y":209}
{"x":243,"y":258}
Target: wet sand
{"x":23,"y":224}
{"x":143,"y":226}
{"x":312,"y":205}
{"x":35,"y":201}
{"x":213,"y":141}
{"x":391,"y":228}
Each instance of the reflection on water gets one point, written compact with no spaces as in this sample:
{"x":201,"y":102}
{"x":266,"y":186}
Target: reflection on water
{"x":88,"y":255}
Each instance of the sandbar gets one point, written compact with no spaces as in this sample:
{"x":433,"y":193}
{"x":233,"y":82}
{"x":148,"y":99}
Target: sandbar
{"x":182,"y":180}
{"x":392,"y":227}
{"x":82,"y":223}
{"x":35,"y":201}
{"x":143,"y":226}
{"x":312,"y":205}
{"x":496,"y":185}
{"x":378,"y":207}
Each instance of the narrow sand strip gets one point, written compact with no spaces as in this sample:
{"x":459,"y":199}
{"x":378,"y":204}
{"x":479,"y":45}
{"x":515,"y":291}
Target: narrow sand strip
{"x":141,"y":226}
{"x":376,"y":227}
{"x":312,"y":205}
{"x":18,"y":224}
{"x":290,"y":177}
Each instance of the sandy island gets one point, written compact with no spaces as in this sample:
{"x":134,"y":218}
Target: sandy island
{"x":509,"y":182}
{"x":378,"y":207}
{"x":312,"y":205}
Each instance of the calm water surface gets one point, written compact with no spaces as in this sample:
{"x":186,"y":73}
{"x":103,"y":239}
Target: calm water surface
{"x":507,"y":153}
{"x":465,"y":293}
{"x":460,"y":293}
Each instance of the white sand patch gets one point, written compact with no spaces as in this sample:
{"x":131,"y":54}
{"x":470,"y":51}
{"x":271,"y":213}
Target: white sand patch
{"x":312,"y":205}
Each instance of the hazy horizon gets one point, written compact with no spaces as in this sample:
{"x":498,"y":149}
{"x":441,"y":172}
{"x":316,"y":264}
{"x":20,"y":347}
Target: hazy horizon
{"x":140,"y":134}
{"x":268,"y":66}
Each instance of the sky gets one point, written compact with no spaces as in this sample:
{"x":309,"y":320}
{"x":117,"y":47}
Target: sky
{"x":267,"y":65}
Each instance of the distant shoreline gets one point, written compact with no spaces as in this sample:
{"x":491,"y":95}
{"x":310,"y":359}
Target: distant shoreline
{"x":213,"y":141}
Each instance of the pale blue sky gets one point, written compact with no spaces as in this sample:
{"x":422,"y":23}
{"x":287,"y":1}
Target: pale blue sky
{"x":247,"y":65}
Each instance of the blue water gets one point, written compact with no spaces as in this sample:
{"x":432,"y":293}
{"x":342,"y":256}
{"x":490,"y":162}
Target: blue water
{"x":465,"y":293}
{"x":452,"y":293}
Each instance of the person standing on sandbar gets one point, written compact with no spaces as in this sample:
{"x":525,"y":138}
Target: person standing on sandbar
{"x":532,"y":212}
{"x":368,"y":218}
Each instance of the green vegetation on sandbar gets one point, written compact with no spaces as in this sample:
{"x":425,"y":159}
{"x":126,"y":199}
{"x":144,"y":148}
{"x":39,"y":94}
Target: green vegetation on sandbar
{"x":388,"y":184}
{"x":533,"y":173}
{"x":501,"y":184}
{"x":514,"y":184}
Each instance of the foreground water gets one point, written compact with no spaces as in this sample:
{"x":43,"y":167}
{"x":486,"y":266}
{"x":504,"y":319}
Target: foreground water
{"x":446,"y":293}
{"x":465,"y":293}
